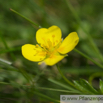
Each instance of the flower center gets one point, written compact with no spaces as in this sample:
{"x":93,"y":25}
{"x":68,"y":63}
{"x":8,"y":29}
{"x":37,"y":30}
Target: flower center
{"x":50,"y":46}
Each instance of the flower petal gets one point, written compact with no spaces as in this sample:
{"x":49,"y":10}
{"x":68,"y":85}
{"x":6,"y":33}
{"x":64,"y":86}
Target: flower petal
{"x":33,"y":53}
{"x":52,"y":60}
{"x":69,"y":43}
{"x":49,"y":37}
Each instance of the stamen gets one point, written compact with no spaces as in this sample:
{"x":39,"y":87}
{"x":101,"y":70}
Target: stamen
{"x":53,"y":43}
{"x":37,"y":45}
{"x":49,"y":43}
{"x":57,"y":41}
{"x":53,"y":36}
{"x":48,"y":39}
{"x":36,"y":53}
{"x":45,"y":42}
{"x":61,"y":39}
{"x":42,"y":45}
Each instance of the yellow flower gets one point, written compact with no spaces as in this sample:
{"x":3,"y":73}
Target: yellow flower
{"x":50,"y":48}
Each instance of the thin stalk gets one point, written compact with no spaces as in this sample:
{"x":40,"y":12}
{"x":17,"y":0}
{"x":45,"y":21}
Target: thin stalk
{"x":43,"y":88}
{"x":5,"y":83}
{"x":10,"y":50}
{"x":70,"y":7}
{"x":25,"y":18}
{"x":84,"y":55}
{"x":34,"y":92}
{"x":26,"y":75}
{"x":41,"y":95}
{"x":63,"y":85}
{"x":57,"y":90}
{"x":11,"y":69}
{"x":69,"y":82}
{"x":47,"y":97}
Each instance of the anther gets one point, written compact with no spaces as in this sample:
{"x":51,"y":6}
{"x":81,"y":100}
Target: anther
{"x":37,"y":45}
{"x":42,"y":45}
{"x":53,"y":36}
{"x":48,"y":39}
{"x":61,"y":39}
{"x":56,"y":40}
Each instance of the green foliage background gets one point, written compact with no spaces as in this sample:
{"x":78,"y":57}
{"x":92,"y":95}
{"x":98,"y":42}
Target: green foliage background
{"x":83,"y":16}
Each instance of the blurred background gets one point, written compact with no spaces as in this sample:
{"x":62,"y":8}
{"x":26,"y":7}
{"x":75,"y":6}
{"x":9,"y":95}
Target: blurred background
{"x":83,"y":16}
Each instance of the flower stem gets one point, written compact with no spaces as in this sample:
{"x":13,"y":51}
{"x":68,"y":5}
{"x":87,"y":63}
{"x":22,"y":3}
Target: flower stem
{"x":26,"y":18}
{"x":69,"y":82}
{"x":45,"y":96}
{"x":57,"y":90}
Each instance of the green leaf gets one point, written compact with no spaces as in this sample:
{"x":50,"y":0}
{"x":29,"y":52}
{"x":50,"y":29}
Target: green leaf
{"x":82,"y":88}
{"x":101,"y":86}
{"x":85,"y":87}
{"x":64,"y":86}
{"x":88,"y":86}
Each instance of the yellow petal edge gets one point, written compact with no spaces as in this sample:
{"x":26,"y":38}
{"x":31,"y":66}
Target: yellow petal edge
{"x":52,"y":34}
{"x":69,"y":43}
{"x":33,"y":53}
